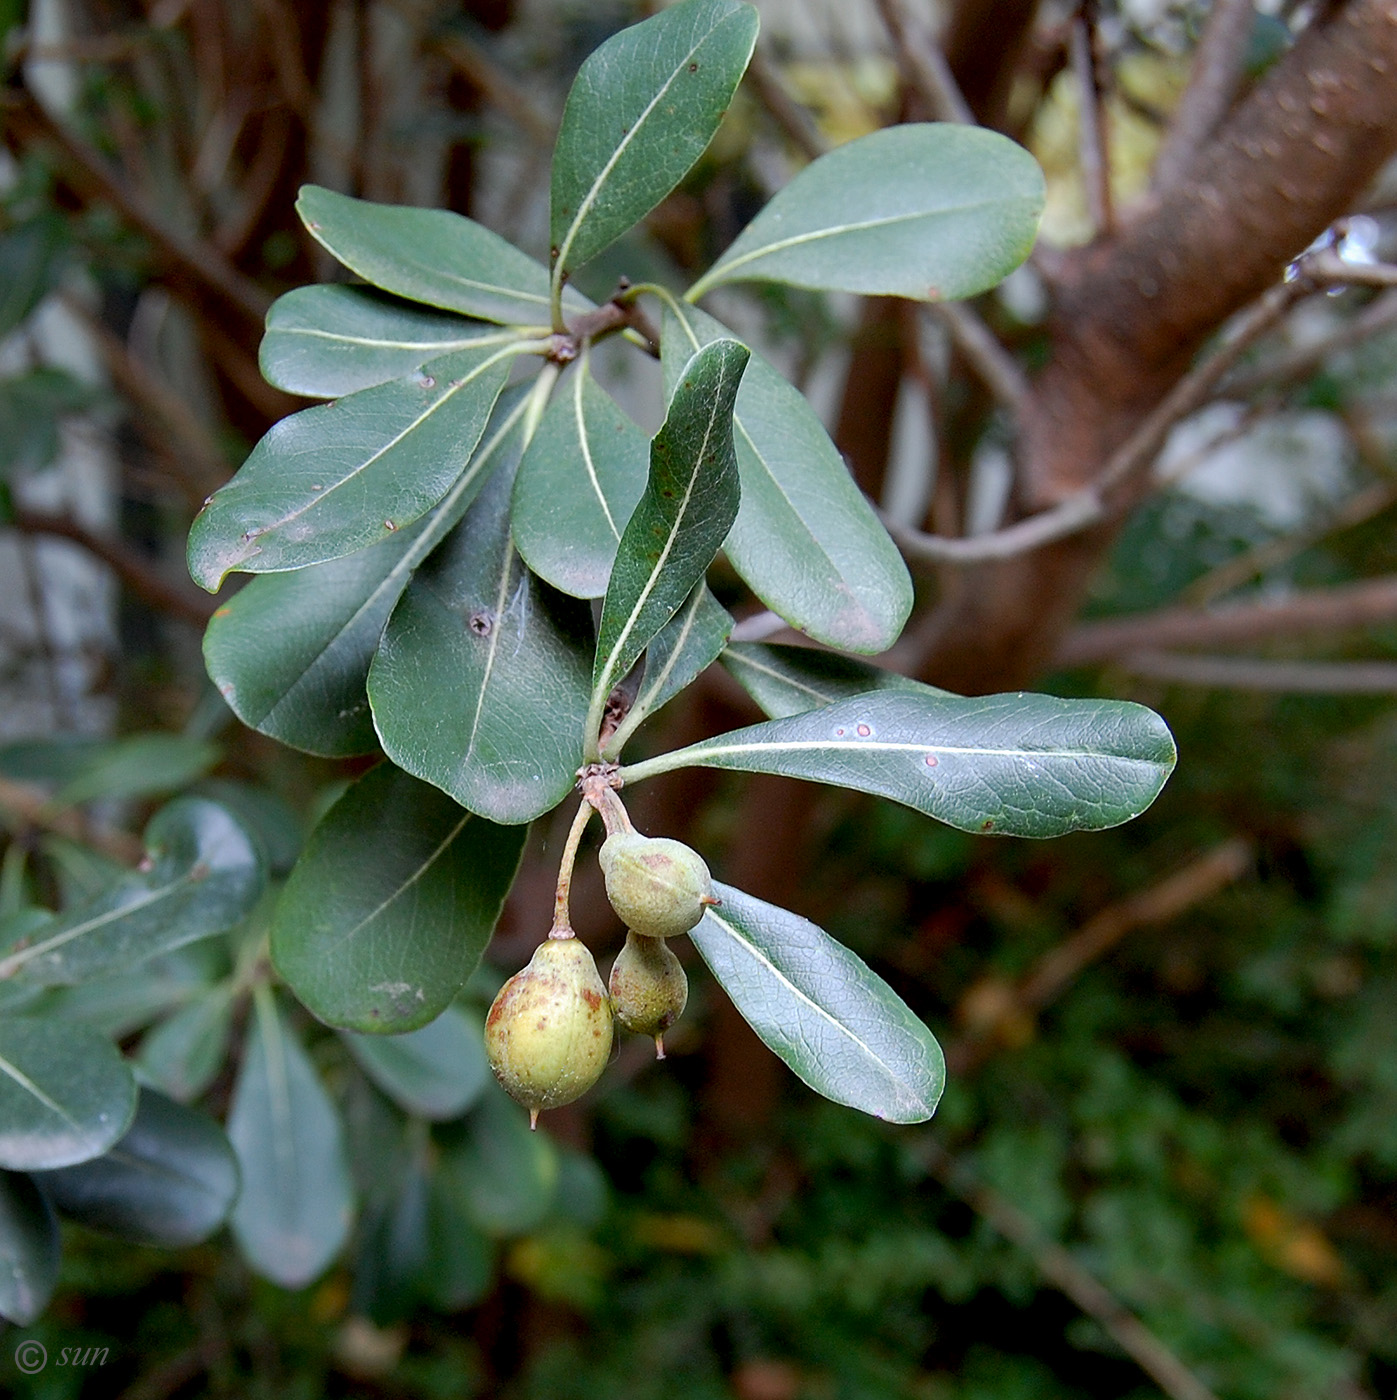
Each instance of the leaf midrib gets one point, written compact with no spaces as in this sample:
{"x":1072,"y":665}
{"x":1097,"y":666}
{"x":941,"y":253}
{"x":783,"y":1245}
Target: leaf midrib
{"x":417,"y":552}
{"x":585,"y":205}
{"x":755,"y":952}
{"x":608,"y":675}
{"x":721,"y":270}
{"x":320,"y":498}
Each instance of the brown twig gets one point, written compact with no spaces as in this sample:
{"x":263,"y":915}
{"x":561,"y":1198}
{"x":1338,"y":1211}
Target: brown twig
{"x":1065,"y":1273}
{"x":1093,"y":149}
{"x":1242,"y":568}
{"x":501,"y":90}
{"x":1137,"y":453}
{"x":996,"y":367}
{"x":133,"y":569}
{"x":161,"y":413}
{"x":991,"y":1016}
{"x":1259,"y":674}
{"x":1217,"y":69}
{"x":1378,"y":316}
{"x":923,"y":66}
{"x":794,"y":119}
{"x":31,"y":806}
{"x":198,"y":262}
{"x":1326,"y":610}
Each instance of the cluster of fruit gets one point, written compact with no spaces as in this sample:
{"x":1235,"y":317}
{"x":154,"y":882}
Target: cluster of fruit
{"x":550,"y":1029}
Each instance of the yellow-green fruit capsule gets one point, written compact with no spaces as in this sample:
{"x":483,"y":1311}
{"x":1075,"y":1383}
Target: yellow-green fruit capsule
{"x":648,"y":988}
{"x":548,"y":1034}
{"x":659,"y":887}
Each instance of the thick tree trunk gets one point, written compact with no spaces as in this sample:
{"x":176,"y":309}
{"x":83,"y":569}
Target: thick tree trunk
{"x":1132,"y":311}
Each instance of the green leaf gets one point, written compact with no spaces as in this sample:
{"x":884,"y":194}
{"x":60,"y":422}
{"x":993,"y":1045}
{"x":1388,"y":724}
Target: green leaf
{"x":480,"y":683}
{"x":690,"y":502}
{"x":170,"y":1181}
{"x":1014,"y":765}
{"x":387,"y":912}
{"x":118,"y":1004}
{"x":437,"y":1071}
{"x":30,"y":1250}
{"x":805,"y":540}
{"x":930,"y":211}
{"x":837,"y":1024}
{"x":432,"y":256}
{"x":394,"y":1248}
{"x":506,"y":1175}
{"x":140,"y":766}
{"x":642,"y":110}
{"x":290,"y":653}
{"x":296,"y":1203}
{"x":202,"y":876}
{"x":459,"y":1256}
{"x":32,"y":409}
{"x":685,"y":646}
{"x":65,"y":1093}
{"x":184,"y":1054}
{"x":344,"y":475}
{"x":265,"y":815}
{"x":577,"y":486}
{"x":30,"y":261}
{"x":326,"y":341}
{"x":788,"y":680}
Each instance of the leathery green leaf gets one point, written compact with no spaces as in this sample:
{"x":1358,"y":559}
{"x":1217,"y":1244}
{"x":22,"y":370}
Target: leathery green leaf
{"x":432,"y":256}
{"x":480,"y":683}
{"x":66,"y":1095}
{"x":930,"y":211}
{"x":641,"y":111}
{"x":290,"y":652}
{"x":788,"y":680}
{"x":577,"y":486}
{"x":690,"y":502}
{"x":170,"y":1181}
{"x":436,"y":1071}
{"x":331,"y":340}
{"x":30,"y":1250}
{"x":805,"y":540}
{"x":834,"y":1021}
{"x":391,"y":904}
{"x":294,"y":1211}
{"x":1011,"y":765}
{"x":341,"y":476}
{"x":202,"y":875}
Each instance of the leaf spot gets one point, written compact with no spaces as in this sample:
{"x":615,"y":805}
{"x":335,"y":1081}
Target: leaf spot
{"x":482,"y":623}
{"x":931,"y":760}
{"x":864,"y":731}
{"x":388,"y":525}
{"x":693,"y":68}
{"x":426,"y":381}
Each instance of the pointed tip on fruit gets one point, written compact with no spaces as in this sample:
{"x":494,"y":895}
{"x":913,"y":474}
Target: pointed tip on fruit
{"x":659,"y":1047}
{"x":711,"y":900}
{"x":533,"y":1120}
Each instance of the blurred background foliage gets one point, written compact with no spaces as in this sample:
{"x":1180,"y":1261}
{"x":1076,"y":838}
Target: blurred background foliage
{"x":1173,"y":1102}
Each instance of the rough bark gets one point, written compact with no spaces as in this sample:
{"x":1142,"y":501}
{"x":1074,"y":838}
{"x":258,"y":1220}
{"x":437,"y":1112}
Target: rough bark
{"x":1131,"y":312}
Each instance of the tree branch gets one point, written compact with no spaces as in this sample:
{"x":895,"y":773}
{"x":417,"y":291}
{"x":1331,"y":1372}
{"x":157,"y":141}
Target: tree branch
{"x":991,"y":361}
{"x":788,"y":114}
{"x":1094,"y":150}
{"x":1259,"y":674}
{"x":1066,"y":1274}
{"x":1217,"y":68}
{"x":134,"y":570}
{"x":28,"y":805}
{"x":1326,"y":610}
{"x":922,"y":64}
{"x":993,"y":1011}
{"x":196,"y":262}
